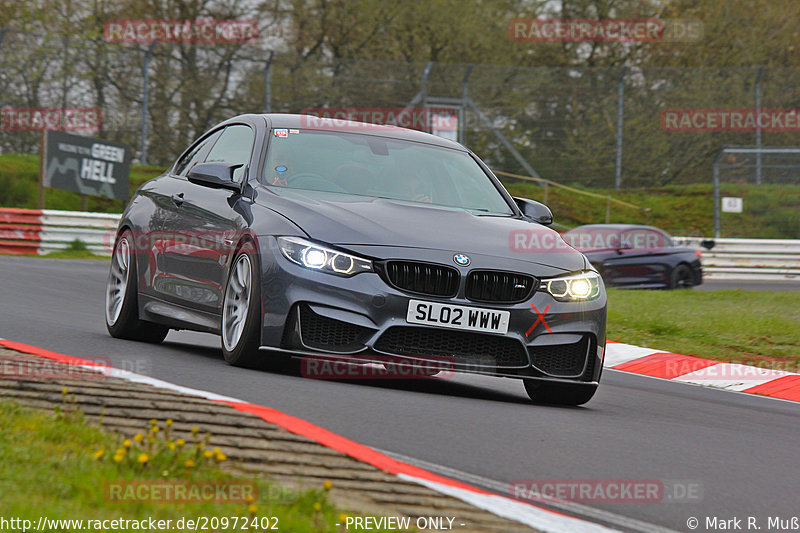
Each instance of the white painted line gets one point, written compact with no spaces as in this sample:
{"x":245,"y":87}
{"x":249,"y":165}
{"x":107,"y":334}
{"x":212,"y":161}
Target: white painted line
{"x":732,"y":376}
{"x":618,"y":353}
{"x":112,"y":372}
{"x":535,"y":517}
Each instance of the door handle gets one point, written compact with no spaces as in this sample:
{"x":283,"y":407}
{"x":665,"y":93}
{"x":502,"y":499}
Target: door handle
{"x":177,"y":199}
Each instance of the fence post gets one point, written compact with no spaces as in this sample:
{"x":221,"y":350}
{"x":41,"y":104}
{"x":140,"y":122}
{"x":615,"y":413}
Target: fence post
{"x":145,"y":90}
{"x":608,"y":209}
{"x":462,"y":119}
{"x":620,"y":93}
{"x":715,"y":173}
{"x":758,"y":125}
{"x":268,"y":83}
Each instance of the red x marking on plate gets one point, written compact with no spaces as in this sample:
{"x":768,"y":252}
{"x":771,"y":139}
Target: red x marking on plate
{"x":540,"y":319}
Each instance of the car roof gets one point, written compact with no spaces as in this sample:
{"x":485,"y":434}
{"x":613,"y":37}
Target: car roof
{"x":617,"y":227}
{"x":310,"y":122}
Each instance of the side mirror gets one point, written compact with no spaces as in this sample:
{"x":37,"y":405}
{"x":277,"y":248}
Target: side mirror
{"x":536,"y":211}
{"x":215,"y":175}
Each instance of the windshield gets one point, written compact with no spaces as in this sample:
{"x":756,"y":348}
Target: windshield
{"x":367,"y":165}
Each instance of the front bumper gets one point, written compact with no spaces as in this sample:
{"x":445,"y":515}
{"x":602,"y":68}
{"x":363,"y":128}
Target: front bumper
{"x":363,"y":318}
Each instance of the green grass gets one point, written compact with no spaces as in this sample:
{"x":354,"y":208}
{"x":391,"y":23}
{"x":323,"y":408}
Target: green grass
{"x":19,"y":178}
{"x":739,"y":326}
{"x":57,"y":465}
{"x":770,"y":211}
{"x":76,"y":250}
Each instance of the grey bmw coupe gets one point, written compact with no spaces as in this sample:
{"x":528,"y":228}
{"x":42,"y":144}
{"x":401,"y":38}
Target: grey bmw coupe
{"x":294,"y":236}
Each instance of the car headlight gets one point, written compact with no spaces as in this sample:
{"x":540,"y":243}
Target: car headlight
{"x":575,"y":288}
{"x":317,"y":257}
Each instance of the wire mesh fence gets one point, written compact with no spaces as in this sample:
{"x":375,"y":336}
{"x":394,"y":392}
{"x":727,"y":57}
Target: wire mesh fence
{"x":594,"y":127}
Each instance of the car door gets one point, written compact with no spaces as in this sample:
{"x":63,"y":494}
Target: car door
{"x":169,"y":230}
{"x":640,"y":259}
{"x":216,"y":219}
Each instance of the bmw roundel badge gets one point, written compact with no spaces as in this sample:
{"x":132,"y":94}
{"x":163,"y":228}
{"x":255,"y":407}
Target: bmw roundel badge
{"x":461,"y":260}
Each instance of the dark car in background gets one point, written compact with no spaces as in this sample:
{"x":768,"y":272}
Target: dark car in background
{"x":292,"y":236}
{"x":637,"y":256}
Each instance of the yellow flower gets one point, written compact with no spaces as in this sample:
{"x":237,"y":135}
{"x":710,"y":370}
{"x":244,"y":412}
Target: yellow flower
{"x":253,"y":508}
{"x":120,"y":451}
{"x":171,"y":446}
{"x":327,"y":485}
{"x":221,"y":457}
{"x":343,"y":517}
{"x":138,"y":437}
{"x":180,"y":443}
{"x":188,"y":463}
{"x":195,"y":430}
{"x":169,"y":422}
{"x":126,"y":443}
{"x":317,"y":506}
{"x":155,"y":429}
{"x":216,"y":450}
{"x":208,"y":454}
{"x":119,"y":458}
{"x":249,"y":498}
{"x":98,"y":454}
{"x":153,"y":421}
{"x":64,"y":391}
{"x":143,"y":458}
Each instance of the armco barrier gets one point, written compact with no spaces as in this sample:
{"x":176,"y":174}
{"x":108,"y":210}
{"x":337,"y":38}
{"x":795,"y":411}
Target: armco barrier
{"x":34,"y":231}
{"x":747,"y":259}
{"x":30,"y":231}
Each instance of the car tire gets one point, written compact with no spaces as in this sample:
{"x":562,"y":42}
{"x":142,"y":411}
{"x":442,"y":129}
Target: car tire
{"x":121,"y":304}
{"x":681,"y":277}
{"x":559,"y":393}
{"x":240,"y":324}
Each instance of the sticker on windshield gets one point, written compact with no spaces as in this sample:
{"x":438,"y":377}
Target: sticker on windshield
{"x":281,"y":133}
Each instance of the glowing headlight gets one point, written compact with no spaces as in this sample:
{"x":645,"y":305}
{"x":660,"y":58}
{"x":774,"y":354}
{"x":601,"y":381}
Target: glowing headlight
{"x":576,"y":288}
{"x":317,"y":257}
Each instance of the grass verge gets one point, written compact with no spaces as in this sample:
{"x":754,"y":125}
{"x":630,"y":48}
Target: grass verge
{"x":770,"y":211}
{"x":739,"y":326}
{"x":57,"y":465}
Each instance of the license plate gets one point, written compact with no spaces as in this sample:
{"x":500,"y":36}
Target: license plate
{"x":457,"y":317}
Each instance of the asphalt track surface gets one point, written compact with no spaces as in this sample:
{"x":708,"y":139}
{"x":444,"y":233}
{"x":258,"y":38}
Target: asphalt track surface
{"x":740,"y":450}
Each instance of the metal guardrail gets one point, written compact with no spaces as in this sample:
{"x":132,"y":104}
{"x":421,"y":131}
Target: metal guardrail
{"x":35,"y":231}
{"x":747,"y":259}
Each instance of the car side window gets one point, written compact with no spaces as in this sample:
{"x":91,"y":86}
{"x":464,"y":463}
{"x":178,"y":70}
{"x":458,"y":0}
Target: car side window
{"x":192,"y":157}
{"x":233,"y":146}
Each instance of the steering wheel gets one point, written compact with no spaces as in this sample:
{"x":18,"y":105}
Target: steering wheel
{"x":310,"y":180}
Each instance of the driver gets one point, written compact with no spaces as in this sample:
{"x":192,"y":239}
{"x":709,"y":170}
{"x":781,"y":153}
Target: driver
{"x":419,"y":184}
{"x":282,"y":167}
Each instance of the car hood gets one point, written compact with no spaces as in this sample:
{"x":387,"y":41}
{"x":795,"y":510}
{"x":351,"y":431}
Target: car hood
{"x":365,"y":221}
